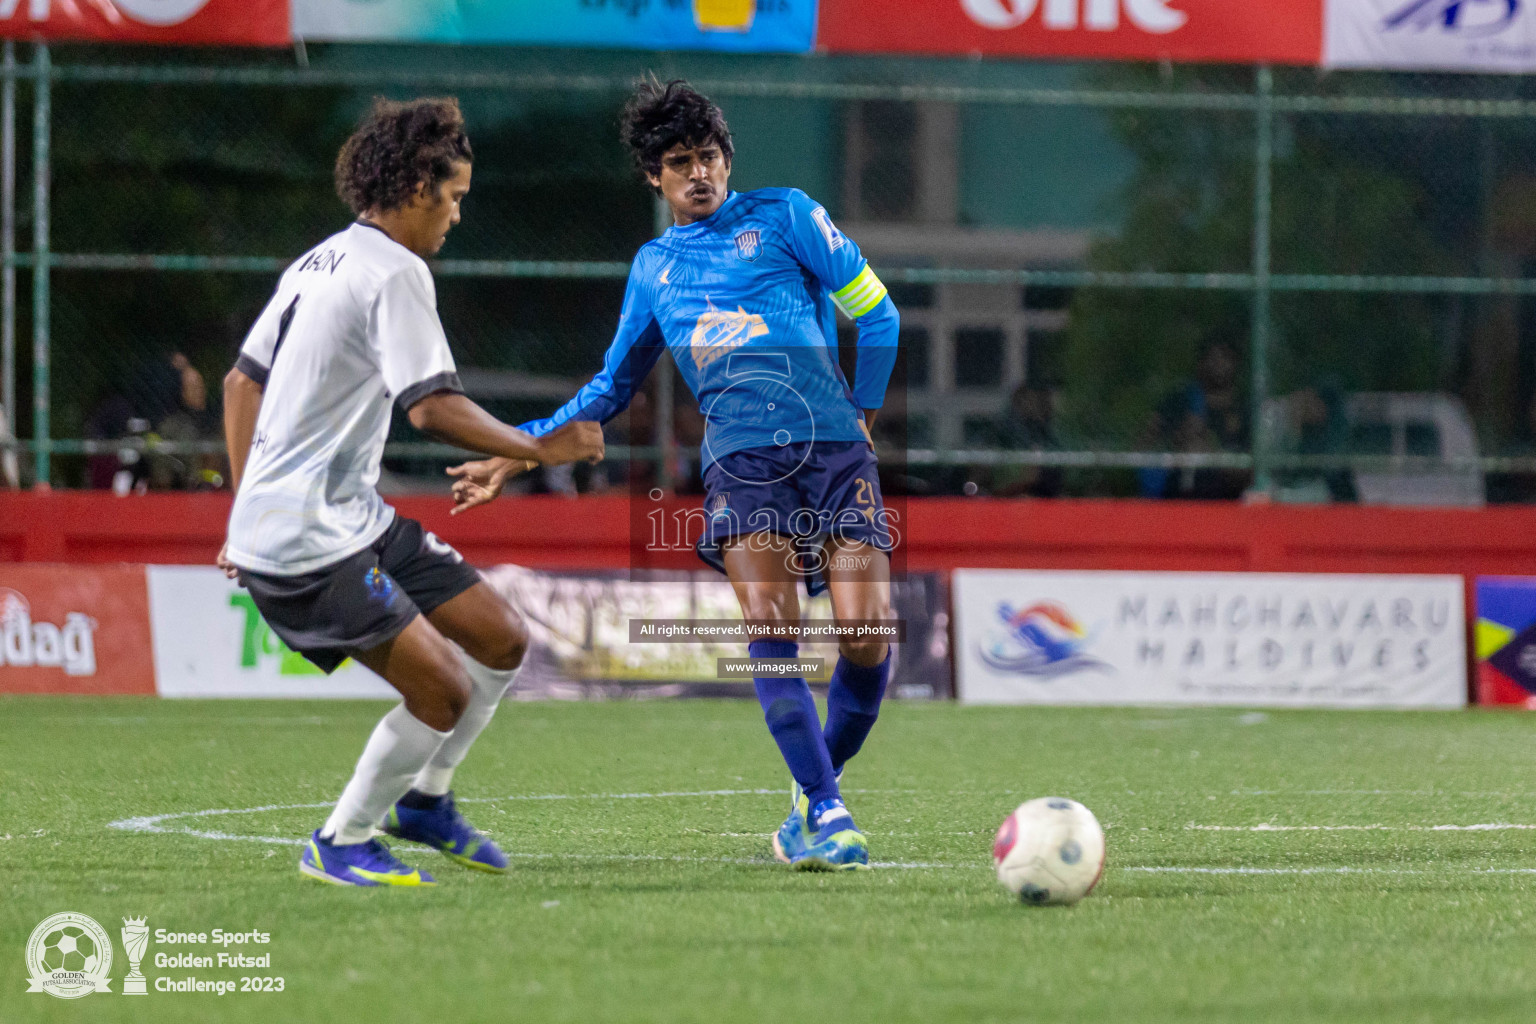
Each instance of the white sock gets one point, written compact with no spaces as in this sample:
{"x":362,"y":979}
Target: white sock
{"x":401,"y":743}
{"x":490,"y":685}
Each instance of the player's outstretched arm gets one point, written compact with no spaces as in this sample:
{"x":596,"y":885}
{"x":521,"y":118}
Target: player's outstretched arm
{"x":637,"y":345}
{"x":451,"y":417}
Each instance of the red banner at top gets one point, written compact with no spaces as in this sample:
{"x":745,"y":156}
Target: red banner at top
{"x":168,"y":22}
{"x":1243,"y":31}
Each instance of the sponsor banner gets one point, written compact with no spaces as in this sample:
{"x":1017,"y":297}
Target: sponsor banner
{"x":1504,"y":640}
{"x":1451,"y":35}
{"x":80,"y":629}
{"x":580,"y":625}
{"x":760,"y":26}
{"x":166,"y":22}
{"x":1268,"y":31}
{"x":209,"y":640}
{"x":1258,"y":639}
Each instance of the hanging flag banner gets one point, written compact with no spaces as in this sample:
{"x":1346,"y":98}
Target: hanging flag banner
{"x":1505,"y":640}
{"x":757,"y":26}
{"x":163,"y":22}
{"x":1253,"y":31}
{"x":1430,"y":35}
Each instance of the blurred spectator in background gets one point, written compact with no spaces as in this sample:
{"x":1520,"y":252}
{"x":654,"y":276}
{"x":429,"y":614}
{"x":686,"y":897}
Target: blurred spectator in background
{"x":165,"y":400}
{"x":1028,"y":426}
{"x":10,"y":465}
{"x":1316,"y":423}
{"x":1207,"y":414}
{"x":113,"y":419}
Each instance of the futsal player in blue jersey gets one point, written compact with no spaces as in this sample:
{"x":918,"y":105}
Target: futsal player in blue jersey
{"x":743,"y":289}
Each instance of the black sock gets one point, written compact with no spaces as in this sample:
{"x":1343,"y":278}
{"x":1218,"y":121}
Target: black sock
{"x":422,"y":801}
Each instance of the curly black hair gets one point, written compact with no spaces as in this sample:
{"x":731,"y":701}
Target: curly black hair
{"x":399,"y":147}
{"x":658,"y":117}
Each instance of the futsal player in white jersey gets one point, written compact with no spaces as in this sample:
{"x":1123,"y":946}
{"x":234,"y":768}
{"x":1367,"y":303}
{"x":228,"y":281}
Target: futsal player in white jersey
{"x":351,"y":331}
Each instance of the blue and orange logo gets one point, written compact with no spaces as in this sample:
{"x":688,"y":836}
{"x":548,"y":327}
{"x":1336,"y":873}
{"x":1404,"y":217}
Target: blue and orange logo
{"x":1044,"y":639}
{"x":380,"y":587}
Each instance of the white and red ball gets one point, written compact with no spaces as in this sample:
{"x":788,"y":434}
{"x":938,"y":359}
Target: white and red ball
{"x":1049,"y":851}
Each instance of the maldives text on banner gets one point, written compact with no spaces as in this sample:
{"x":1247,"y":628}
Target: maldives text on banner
{"x":163,"y":22}
{"x":1251,"y":31}
{"x":760,"y":26}
{"x":1257,"y":639}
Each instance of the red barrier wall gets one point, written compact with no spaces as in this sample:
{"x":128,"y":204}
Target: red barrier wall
{"x":939,"y":533}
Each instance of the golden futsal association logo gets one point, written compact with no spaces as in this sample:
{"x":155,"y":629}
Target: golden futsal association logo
{"x":69,"y":956}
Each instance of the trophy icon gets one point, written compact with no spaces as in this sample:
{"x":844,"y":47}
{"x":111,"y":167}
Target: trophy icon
{"x":135,"y":939}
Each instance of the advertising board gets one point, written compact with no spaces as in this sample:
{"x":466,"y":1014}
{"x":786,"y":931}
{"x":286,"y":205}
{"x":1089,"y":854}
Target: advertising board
{"x":74,"y":629}
{"x":1258,"y":639}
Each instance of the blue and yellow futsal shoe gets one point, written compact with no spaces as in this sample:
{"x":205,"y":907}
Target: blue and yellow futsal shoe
{"x":444,"y":829}
{"x":790,"y":840}
{"x":838,"y":844}
{"x":368,"y":863}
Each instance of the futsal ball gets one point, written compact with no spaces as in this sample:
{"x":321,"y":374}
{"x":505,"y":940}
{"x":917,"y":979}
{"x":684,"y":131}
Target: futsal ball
{"x":1049,"y":852}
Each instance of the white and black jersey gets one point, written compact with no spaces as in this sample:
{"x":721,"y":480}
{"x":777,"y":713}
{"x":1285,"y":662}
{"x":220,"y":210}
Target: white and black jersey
{"x":353,"y":324}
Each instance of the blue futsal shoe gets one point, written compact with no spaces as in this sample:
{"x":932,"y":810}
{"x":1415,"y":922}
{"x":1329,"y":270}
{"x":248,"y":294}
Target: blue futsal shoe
{"x":789,"y":841}
{"x":444,"y":829}
{"x":838,"y":844}
{"x":368,"y":863}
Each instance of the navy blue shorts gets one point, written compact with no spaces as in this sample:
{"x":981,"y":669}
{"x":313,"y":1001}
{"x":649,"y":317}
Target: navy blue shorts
{"x":807,"y":490}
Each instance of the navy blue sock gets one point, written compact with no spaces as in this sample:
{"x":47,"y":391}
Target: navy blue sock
{"x":790,"y":711}
{"x":419,"y":801}
{"x":853,"y":704}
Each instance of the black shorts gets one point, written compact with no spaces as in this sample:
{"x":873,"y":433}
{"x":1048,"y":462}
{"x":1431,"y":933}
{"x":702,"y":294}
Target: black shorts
{"x":363,"y":600}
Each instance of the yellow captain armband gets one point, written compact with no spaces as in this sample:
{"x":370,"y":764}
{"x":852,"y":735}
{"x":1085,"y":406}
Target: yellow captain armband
{"x":860,"y":295}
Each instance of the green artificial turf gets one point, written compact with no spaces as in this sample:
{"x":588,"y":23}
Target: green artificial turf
{"x":643,"y":888}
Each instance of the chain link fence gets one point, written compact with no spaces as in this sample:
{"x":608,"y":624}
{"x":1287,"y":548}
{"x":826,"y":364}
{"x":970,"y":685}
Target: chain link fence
{"x":1114,"y":279}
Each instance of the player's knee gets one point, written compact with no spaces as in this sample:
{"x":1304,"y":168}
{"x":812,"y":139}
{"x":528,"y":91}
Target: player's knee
{"x":442,"y":703}
{"x":864,"y":652}
{"x":506,"y":652}
{"x":455,"y":691}
{"x":771,"y":609}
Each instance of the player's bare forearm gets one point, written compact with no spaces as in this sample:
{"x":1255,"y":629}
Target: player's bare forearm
{"x":455,"y":419}
{"x":242,"y":406}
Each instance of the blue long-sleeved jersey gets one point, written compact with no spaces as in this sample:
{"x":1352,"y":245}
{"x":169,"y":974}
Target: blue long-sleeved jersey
{"x":745,"y":301}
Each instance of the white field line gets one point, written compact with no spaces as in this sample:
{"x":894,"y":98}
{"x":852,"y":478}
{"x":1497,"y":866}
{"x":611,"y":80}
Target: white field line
{"x":1493,"y":826}
{"x":162,"y":824}
{"x":1179,"y":870}
{"x":1497,"y":794}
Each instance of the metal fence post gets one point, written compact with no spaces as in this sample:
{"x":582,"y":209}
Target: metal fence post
{"x":41,"y":123}
{"x":1263,"y":195}
{"x":666,"y":440}
{"x":8,"y":235}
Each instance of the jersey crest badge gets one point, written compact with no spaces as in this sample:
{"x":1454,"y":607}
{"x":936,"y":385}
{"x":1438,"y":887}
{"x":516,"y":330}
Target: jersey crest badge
{"x":749,"y":245}
{"x":829,"y":230}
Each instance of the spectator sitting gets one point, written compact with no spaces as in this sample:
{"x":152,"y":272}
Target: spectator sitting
{"x":1028,"y":427}
{"x":1208,"y":414}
